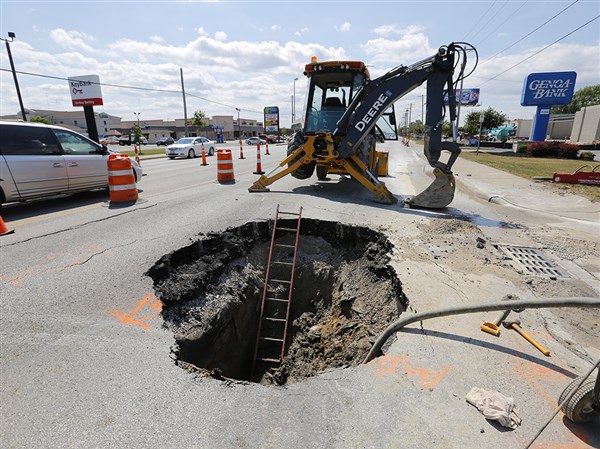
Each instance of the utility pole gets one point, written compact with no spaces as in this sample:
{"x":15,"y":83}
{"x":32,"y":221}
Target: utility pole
{"x":184,"y":104}
{"x":409,"y":113}
{"x":422,"y":108}
{"x":12,"y":36}
{"x":239,"y":128}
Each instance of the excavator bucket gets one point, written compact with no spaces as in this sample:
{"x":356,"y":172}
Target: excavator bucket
{"x":439,"y":194}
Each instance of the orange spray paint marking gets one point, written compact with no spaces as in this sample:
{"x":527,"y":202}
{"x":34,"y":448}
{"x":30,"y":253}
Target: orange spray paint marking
{"x":130,"y":318}
{"x":388,"y":365}
{"x":16,"y":280}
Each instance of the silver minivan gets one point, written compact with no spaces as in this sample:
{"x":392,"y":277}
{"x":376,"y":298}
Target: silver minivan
{"x":38,"y":160}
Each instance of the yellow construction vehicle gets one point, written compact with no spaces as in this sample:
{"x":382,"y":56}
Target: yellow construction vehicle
{"x":347,"y":113}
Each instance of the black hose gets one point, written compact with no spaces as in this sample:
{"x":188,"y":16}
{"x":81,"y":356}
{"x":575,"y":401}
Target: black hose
{"x":489,"y":307}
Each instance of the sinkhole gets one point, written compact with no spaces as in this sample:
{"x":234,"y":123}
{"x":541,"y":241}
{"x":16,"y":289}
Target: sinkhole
{"x":344,"y":294}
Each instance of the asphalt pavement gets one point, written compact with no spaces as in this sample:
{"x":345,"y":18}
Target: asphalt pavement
{"x":85,"y":361}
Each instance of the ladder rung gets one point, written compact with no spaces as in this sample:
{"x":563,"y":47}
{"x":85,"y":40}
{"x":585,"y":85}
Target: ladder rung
{"x":283,"y":263}
{"x":276,"y":299}
{"x":288,"y":213}
{"x":281,"y":281}
{"x":281,"y":320}
{"x":284,"y":246}
{"x":287,"y":229}
{"x":268,"y":360}
{"x":271,"y":339}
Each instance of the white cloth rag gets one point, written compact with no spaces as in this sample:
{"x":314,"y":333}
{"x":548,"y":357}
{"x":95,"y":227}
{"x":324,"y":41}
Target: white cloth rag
{"x":495,"y":406}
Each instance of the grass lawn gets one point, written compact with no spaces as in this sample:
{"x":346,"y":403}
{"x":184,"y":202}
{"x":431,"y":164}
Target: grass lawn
{"x":145,"y":152}
{"x":528,"y":167}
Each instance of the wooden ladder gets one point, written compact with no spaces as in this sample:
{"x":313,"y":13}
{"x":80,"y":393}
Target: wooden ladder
{"x":277,"y":296}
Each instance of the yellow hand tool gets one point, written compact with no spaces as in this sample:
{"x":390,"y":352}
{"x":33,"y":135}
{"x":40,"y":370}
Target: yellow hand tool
{"x":515,"y":325}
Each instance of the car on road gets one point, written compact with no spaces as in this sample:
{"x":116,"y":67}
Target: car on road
{"x":130,"y":140}
{"x":190,"y":147}
{"x":109,"y":140}
{"x":38,"y":160}
{"x":269,"y":138}
{"x":255,"y":141}
{"x":165,"y":141}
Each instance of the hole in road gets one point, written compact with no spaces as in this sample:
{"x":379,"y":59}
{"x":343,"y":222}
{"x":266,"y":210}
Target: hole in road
{"x":344,"y":294}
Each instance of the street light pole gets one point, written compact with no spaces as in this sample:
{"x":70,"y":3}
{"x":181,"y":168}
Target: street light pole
{"x":12,"y":36}
{"x":239,"y":127}
{"x":294,"y":102}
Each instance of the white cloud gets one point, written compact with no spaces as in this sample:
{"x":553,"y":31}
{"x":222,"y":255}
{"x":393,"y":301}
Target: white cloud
{"x":157,"y":39}
{"x":72,"y":39}
{"x":386,"y":30}
{"x":221,"y":36}
{"x":275,"y":27}
{"x":411,"y":46}
{"x":251,"y":74}
{"x":344,"y":27}
{"x":200,"y":31}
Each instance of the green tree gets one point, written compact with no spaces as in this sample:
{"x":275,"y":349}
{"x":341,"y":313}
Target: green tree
{"x":416,"y":127}
{"x":38,"y":119}
{"x":586,"y":96}
{"x":198,"y":120}
{"x":491,"y":119}
{"x":136,"y":131}
{"x":447,"y":129}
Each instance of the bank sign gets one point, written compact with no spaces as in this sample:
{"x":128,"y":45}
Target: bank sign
{"x":548,"y":88}
{"x":85,"y":90}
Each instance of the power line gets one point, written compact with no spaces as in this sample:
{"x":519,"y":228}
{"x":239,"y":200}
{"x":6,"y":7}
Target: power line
{"x":146,"y":89}
{"x":530,"y":33}
{"x":491,"y":33}
{"x":539,"y":51}
{"x":477,"y":23}
{"x":490,"y":19}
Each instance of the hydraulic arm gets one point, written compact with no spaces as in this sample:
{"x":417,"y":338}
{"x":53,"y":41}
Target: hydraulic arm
{"x":338,"y":149}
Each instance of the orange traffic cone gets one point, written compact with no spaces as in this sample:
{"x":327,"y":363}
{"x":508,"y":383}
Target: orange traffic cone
{"x":137,"y":155}
{"x":267,"y":148}
{"x":259,"y":170}
{"x":241,"y":151}
{"x":203,"y":155}
{"x":3,"y":229}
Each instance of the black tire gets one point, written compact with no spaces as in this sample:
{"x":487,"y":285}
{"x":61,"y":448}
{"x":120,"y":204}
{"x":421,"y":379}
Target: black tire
{"x":211,"y":151}
{"x":580,"y":408}
{"x":171,"y":157}
{"x":321,"y":172}
{"x":570,"y":387}
{"x":191,"y":154}
{"x":305,"y":171}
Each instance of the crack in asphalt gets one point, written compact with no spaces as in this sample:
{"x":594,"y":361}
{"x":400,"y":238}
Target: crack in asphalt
{"x":79,"y":225}
{"x":98,"y":253}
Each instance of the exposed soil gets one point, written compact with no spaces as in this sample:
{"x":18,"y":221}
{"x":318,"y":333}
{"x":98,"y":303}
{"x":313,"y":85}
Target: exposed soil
{"x":344,"y":295}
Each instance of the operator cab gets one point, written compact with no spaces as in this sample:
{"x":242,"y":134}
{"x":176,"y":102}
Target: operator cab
{"x":332,"y":87}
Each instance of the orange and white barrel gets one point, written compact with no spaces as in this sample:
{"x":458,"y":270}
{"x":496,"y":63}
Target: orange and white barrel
{"x":225,"y":166}
{"x":121,"y":181}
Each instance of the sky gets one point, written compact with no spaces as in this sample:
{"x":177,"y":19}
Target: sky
{"x":246,"y":54}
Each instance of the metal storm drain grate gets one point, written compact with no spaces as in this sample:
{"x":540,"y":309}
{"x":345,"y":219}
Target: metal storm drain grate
{"x":532,"y":261}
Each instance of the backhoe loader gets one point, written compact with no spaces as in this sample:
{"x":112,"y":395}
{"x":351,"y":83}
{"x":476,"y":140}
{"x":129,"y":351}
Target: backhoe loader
{"x":347,"y":113}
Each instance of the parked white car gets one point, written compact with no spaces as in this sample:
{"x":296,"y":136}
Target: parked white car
{"x":190,"y":147}
{"x":38,"y":160}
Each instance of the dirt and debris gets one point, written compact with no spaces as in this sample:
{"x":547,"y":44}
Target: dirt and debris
{"x":345,"y":293}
